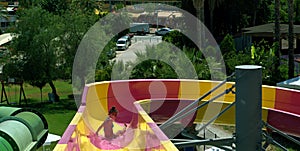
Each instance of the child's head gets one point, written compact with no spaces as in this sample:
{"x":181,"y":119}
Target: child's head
{"x":113,"y":112}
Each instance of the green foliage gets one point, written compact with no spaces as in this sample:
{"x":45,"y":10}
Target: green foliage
{"x":231,"y":57}
{"x":28,"y":3}
{"x":42,"y":46}
{"x":38,"y":55}
{"x":52,"y":34}
{"x":54,"y":6}
{"x":103,"y":68}
{"x":147,"y":68}
{"x":109,"y":50}
{"x":297,"y":11}
{"x":175,"y":37}
{"x":264,"y":56}
{"x":75,"y":25}
{"x":105,"y":63}
{"x":153,"y":68}
{"x":227,"y":44}
{"x":168,"y":62}
{"x":85,"y":6}
{"x":178,"y":39}
{"x":283,"y":11}
{"x":119,"y":6}
{"x":261,"y":54}
{"x":13,"y":69}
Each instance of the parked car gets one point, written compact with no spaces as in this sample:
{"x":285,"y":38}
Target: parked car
{"x":162,"y":31}
{"x":122,"y":44}
{"x":128,"y":38}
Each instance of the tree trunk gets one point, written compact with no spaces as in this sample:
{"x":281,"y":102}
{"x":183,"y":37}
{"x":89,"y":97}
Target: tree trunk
{"x":199,"y":5}
{"x":188,"y":5}
{"x":254,"y":17}
{"x":277,"y":39}
{"x":56,"y":97}
{"x":211,"y":20}
{"x":41,"y":92}
{"x":211,"y":4}
{"x":256,"y":4}
{"x":291,"y":39}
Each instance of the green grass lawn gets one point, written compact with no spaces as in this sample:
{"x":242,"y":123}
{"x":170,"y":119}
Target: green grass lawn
{"x":64,"y":88}
{"x":58,"y":114}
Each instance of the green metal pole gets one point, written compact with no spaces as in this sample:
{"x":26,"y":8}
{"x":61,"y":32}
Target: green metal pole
{"x":248,"y":107}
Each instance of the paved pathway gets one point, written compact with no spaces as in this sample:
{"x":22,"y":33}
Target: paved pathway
{"x":139,"y":44}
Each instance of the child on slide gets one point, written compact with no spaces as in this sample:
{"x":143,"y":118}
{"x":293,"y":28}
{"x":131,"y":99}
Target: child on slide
{"x":108,"y":125}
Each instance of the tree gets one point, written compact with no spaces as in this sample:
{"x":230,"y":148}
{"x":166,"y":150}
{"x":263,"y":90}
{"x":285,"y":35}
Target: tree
{"x":188,"y":6}
{"x":263,"y":54}
{"x":40,"y":84}
{"x":232,"y":58}
{"x":291,"y":39}
{"x":55,"y":6}
{"x":277,"y":33}
{"x":212,"y":5}
{"x":178,"y":39}
{"x":199,"y":5}
{"x":297,"y":11}
{"x":75,"y":25}
{"x":87,"y":6}
{"x":28,"y":3}
{"x":37,"y":45}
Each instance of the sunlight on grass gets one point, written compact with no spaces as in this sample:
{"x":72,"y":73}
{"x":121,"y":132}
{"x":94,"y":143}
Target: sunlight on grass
{"x":64,"y":88}
{"x":58,"y":122}
{"x":58,"y":114}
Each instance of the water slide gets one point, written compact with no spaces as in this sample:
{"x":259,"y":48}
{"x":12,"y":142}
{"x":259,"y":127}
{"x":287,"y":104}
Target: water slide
{"x":143,"y":104}
{"x":21,"y":129}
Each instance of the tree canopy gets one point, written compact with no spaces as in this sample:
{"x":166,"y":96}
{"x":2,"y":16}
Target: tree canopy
{"x":46,"y":40}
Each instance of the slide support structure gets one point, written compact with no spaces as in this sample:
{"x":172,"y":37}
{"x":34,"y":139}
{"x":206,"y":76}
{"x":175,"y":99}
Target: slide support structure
{"x":248,"y":107}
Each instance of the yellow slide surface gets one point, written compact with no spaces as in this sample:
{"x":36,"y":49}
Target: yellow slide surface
{"x":142,"y":104}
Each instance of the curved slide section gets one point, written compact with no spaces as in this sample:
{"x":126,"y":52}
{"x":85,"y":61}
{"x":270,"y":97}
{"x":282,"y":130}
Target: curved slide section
{"x":143,"y":104}
{"x":21,"y":129}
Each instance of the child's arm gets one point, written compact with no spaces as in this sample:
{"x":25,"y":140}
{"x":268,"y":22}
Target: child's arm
{"x":100,"y":127}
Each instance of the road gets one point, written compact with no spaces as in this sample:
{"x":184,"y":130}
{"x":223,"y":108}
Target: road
{"x":139,"y":44}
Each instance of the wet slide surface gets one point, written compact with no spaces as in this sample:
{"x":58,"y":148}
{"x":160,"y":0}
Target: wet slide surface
{"x":143,"y":104}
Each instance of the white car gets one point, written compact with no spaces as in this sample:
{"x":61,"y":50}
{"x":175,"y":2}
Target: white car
{"x":122,"y":44}
{"x":163,"y":31}
{"x":214,"y":149}
{"x":128,"y":38}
